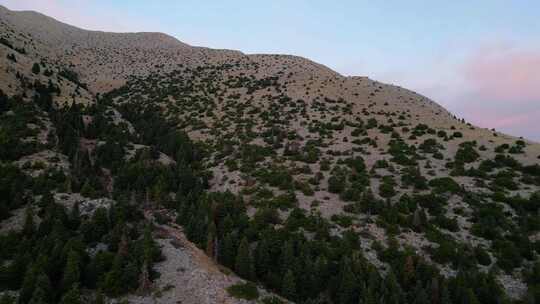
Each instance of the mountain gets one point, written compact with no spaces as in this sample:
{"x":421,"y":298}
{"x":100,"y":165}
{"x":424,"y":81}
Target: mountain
{"x":152,"y":170}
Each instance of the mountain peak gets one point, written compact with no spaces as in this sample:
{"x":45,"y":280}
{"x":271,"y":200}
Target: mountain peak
{"x":246,"y":178}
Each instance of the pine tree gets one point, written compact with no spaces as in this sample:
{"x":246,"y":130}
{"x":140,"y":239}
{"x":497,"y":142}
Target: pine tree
{"x":408,"y":270}
{"x":347,"y":286}
{"x":393,"y":293}
{"x":445,"y":295}
{"x":435,"y":293}
{"x":42,"y":291}
{"x":38,"y":297}
{"x":7,"y":299}
{"x":130,"y":277}
{"x":35,"y":68}
{"x":87,"y":190}
{"x":243,"y":263}
{"x":113,"y":279}
{"x":287,"y":259}
{"x":29,"y":227}
{"x":211,"y":241}
{"x":288,"y":285}
{"x":368,"y":297}
{"x":263,"y":259}
{"x":75,"y":216}
{"x":72,"y":272}
{"x":28,"y":285}
{"x":420,"y":295}
{"x":471,"y":297}
{"x":73,"y":296}
{"x":123,"y":244}
{"x":100,"y":299}
{"x":47,"y":199}
{"x":148,"y":245}
{"x":100,"y":224}
{"x":228,"y":253}
{"x":418,"y":219}
{"x":321,"y":272}
{"x":145,"y":285}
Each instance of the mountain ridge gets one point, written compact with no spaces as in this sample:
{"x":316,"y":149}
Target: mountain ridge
{"x":261,"y":161}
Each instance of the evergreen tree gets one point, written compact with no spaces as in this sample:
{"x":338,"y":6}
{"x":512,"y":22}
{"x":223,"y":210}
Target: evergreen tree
{"x":288,"y":285}
{"x":243,"y":263}
{"x":263,"y":258}
{"x":38,"y":297}
{"x":434,"y":292}
{"x":75,"y":216}
{"x":445,"y":295}
{"x":100,"y":299}
{"x":149,"y":246}
{"x":470,"y":297}
{"x":130,"y":277}
{"x":228,"y":252}
{"x":87,"y":190}
{"x":368,"y":297}
{"x":347,"y":286}
{"x":287,"y":259}
{"x":35,"y":68}
{"x":393,"y":291}
{"x":211,"y":240}
{"x":28,"y":285}
{"x":29,"y":227}
{"x":47,"y":199}
{"x":420,"y":295}
{"x":321,"y":271}
{"x":7,"y":299}
{"x":408,"y":271}
{"x":73,"y":296}
{"x":113,"y":279}
{"x":42,"y":291}
{"x":72,"y":272}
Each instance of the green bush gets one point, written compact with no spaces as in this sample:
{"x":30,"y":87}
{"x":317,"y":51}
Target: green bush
{"x":35,"y":68}
{"x":386,"y":189}
{"x":457,"y":134}
{"x":482,"y":256}
{"x":445,"y":184}
{"x":247,"y":291}
{"x":466,"y":153}
{"x":271,"y":300}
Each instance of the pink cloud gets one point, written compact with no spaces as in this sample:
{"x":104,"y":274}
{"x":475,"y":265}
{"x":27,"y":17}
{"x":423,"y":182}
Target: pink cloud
{"x":492,"y":86}
{"x":81,"y":13}
{"x":502,"y":120}
{"x":504,"y":74}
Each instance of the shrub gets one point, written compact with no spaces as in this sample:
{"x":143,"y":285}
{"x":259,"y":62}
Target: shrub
{"x":429,"y":145}
{"x":412,"y":176}
{"x":466,"y":153}
{"x":342,"y":220}
{"x":482,"y":256}
{"x":386,"y":189}
{"x":247,"y":291}
{"x":11,"y":57}
{"x":272,"y":300}
{"x":337,"y":181}
{"x":433,"y":202}
{"x":447,"y":223}
{"x":35,"y":68}
{"x":505,"y":179}
{"x":445,"y":184}
{"x":457,"y":134}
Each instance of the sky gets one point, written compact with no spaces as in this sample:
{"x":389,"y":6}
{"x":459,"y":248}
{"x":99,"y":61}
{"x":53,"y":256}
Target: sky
{"x":479,"y":59}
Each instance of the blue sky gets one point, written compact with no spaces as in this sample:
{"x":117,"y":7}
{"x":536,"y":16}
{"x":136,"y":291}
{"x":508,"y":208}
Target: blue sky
{"x":480,"y":59}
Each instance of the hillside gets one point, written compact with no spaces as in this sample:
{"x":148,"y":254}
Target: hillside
{"x":200,"y":168}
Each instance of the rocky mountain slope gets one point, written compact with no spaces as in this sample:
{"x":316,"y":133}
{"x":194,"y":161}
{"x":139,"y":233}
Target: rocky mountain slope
{"x":264,"y":160}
